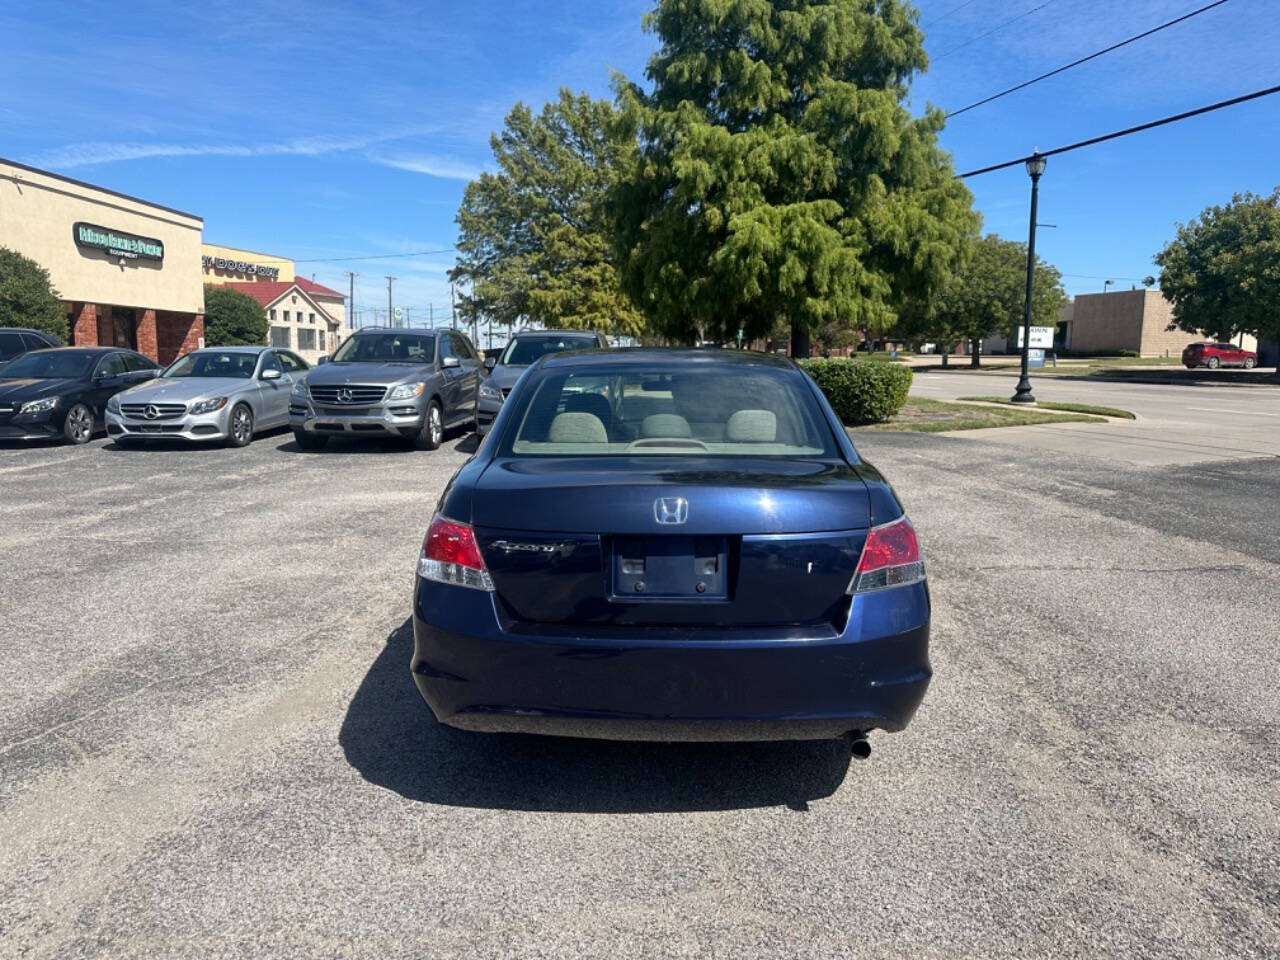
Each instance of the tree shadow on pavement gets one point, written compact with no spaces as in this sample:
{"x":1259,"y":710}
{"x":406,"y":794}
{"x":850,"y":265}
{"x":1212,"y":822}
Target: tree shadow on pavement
{"x":390,"y":736}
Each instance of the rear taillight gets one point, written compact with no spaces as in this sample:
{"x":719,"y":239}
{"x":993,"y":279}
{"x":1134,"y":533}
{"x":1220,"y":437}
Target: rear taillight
{"x":890,"y":558}
{"x":450,"y":554}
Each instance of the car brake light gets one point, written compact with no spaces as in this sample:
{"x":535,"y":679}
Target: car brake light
{"x":450,"y":554}
{"x":890,"y":558}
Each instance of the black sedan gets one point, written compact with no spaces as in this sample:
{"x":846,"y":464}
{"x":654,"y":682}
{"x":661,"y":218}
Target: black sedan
{"x":671,"y":545}
{"x":62,"y":393}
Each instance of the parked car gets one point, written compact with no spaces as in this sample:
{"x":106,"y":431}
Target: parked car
{"x":218,"y":394}
{"x":62,"y":392}
{"x":406,"y":383}
{"x":15,"y":341}
{"x":523,"y":350}
{"x":1214,"y":355}
{"x":672,"y":545}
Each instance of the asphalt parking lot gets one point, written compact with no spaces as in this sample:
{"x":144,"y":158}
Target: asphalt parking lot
{"x":210,"y":744}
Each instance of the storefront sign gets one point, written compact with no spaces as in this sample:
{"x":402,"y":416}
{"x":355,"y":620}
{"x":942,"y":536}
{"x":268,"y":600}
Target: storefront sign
{"x":1041,"y":338}
{"x":240,"y":266}
{"x":117,"y":244}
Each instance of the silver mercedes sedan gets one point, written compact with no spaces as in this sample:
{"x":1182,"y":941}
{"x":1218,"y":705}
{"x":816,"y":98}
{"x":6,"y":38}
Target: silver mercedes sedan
{"x":219,"y":394}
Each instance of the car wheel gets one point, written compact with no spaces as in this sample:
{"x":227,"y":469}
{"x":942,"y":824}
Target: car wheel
{"x":241,"y":432}
{"x":1249,"y":363}
{"x":1213,"y":363}
{"x":78,"y":426}
{"x":310,"y":441}
{"x":431,"y":435}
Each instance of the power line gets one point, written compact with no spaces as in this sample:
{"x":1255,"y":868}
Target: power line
{"x":948,"y":13}
{"x":378,"y":256}
{"x":1092,"y":56}
{"x":995,"y":29}
{"x":1126,"y":132}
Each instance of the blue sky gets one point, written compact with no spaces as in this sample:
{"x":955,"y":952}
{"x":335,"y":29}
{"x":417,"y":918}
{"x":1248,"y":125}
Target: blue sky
{"x":326,"y":129}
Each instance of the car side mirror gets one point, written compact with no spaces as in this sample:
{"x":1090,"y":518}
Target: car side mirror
{"x":490,"y":363}
{"x":448,"y":363}
{"x":322,"y":360}
{"x":270,"y":374}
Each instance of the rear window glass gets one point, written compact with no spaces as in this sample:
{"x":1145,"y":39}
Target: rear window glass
{"x":717,"y":411}
{"x":525,"y":351}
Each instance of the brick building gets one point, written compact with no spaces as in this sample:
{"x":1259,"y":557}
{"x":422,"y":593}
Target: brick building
{"x":1127,"y":320}
{"x":126,"y":270}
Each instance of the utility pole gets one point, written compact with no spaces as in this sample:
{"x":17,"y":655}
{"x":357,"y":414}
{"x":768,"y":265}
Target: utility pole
{"x":351,"y":300}
{"x":408,"y":316}
{"x":389,"y":282}
{"x":431,"y":309}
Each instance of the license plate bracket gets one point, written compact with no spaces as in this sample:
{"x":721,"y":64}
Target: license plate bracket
{"x":670,"y":568}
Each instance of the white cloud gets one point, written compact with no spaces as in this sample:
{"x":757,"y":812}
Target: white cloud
{"x":431,"y":166}
{"x":90,"y":154}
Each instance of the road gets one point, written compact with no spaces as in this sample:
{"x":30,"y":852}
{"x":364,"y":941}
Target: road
{"x":210,"y":745}
{"x":1175,"y":425}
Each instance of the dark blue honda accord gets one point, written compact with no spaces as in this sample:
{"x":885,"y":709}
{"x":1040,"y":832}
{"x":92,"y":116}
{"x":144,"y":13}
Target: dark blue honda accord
{"x":671,"y":545}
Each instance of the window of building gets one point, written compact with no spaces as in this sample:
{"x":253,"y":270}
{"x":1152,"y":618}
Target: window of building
{"x":280,"y":337}
{"x":319,"y":339}
{"x":311,"y":318}
{"x":273,"y":314}
{"x":306,"y":338}
{"x":286,"y":316}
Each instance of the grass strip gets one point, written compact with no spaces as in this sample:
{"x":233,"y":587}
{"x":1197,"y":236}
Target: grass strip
{"x":1068,"y":407}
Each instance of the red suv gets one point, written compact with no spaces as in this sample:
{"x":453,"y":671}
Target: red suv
{"x":1214,"y":355}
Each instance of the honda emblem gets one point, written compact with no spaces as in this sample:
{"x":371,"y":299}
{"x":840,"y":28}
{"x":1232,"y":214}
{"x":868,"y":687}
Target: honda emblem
{"x":671,"y":510}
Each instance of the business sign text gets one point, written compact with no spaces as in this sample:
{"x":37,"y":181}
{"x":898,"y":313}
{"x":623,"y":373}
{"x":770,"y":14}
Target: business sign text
{"x":240,"y":266}
{"x":117,"y":244}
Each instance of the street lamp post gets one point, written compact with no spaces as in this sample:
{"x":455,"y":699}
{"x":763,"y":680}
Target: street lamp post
{"x":1035,"y":167}
{"x":1107,"y":284}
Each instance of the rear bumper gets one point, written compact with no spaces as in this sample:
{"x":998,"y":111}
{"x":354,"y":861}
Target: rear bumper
{"x":477,"y":673}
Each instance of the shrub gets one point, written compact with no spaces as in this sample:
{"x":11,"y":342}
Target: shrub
{"x":26,"y":297}
{"x":232,"y":319}
{"x":861,"y":392}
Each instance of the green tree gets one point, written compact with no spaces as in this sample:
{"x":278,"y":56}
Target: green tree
{"x":27,"y":298}
{"x":232,"y":319}
{"x":535,"y":239}
{"x":987,"y":294}
{"x":1222,"y":271}
{"x":780,"y":172}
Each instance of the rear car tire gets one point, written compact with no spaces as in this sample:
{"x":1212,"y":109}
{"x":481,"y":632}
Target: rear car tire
{"x":240,"y":431}
{"x":77,"y":427}
{"x":1250,"y":363}
{"x":431,"y":434}
{"x":1213,"y":363}
{"x":309,"y":441}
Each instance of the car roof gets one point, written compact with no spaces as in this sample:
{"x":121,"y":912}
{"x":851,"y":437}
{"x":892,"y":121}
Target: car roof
{"x":426,"y":331}
{"x":547,"y":334}
{"x":683,"y":357}
{"x":27,"y":330}
{"x":88,"y":350}
{"x":239,"y":348}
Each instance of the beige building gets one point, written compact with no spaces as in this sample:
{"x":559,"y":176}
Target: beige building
{"x":304,"y":316}
{"x":127,"y":270}
{"x":1127,"y":320}
{"x":219,"y":264}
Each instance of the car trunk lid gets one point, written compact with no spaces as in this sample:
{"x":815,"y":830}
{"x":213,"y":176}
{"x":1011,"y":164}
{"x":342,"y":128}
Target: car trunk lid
{"x":669,"y":542}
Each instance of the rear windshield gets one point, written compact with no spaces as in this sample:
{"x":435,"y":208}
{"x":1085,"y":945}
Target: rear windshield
{"x":718,"y":411}
{"x":235,"y":364}
{"x":524,"y":351}
{"x":387,"y":348}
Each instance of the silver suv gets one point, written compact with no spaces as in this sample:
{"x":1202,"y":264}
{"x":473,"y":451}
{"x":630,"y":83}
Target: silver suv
{"x":405,"y":383}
